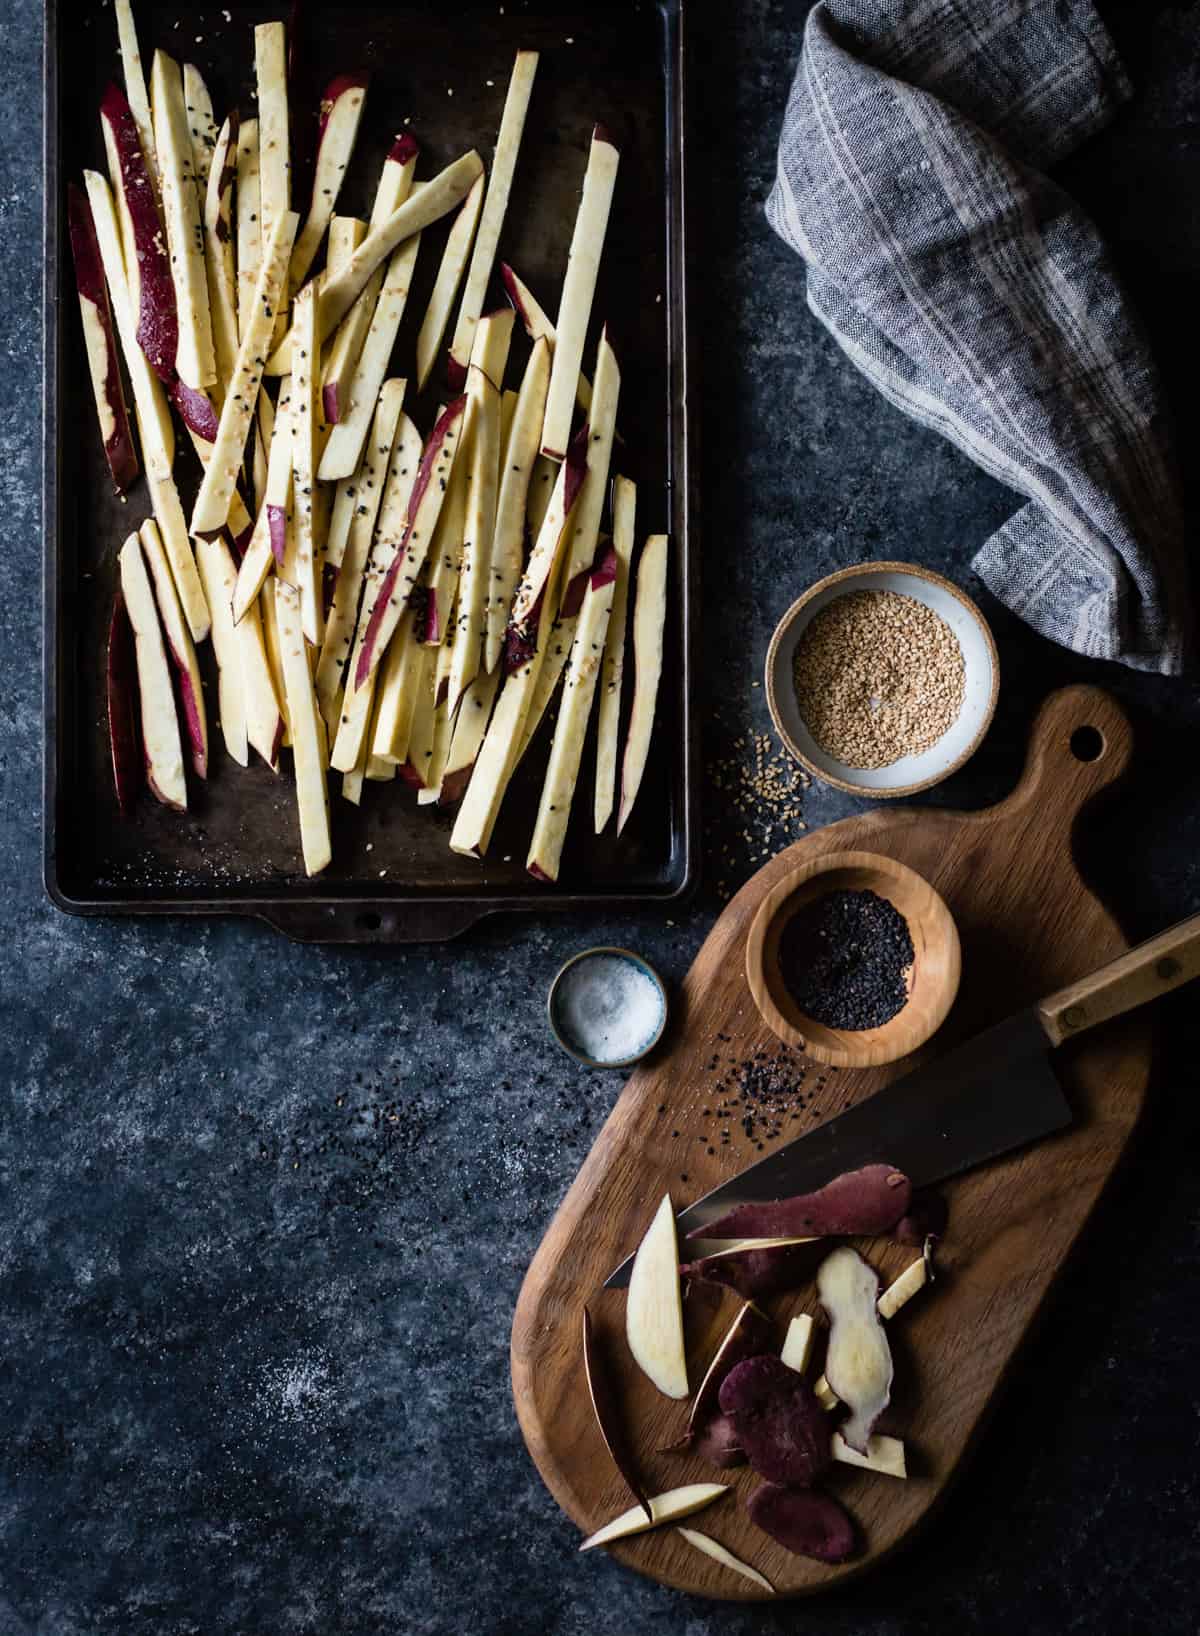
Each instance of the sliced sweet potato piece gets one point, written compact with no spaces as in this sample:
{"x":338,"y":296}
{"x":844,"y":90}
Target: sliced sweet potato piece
{"x":780,"y":1425}
{"x":858,"y":1359}
{"x":804,"y":1521}
{"x":869,"y":1201}
{"x":757,"y":1270}
{"x":124,"y":732}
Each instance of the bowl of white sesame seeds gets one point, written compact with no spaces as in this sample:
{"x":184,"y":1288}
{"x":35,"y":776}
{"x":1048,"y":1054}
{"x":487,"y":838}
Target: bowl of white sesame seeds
{"x":882,"y":679}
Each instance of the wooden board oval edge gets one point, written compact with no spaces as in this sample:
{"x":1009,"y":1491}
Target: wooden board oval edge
{"x":1028,"y":924}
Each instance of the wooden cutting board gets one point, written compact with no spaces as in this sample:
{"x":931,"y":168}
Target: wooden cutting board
{"x":1028,"y":926}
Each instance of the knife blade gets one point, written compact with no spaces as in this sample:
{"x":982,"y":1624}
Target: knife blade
{"x":996,"y":1092}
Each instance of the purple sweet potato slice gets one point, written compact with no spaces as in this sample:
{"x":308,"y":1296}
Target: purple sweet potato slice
{"x":124,"y":731}
{"x":710,"y":1433}
{"x":111,"y":409}
{"x":783,"y":1430}
{"x":926,"y":1218}
{"x":758,"y":1273}
{"x":869,"y":1201}
{"x":804,"y":1521}
{"x":858,"y":1358}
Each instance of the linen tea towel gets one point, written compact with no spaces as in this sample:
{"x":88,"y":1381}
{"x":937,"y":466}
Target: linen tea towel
{"x":980,"y":299}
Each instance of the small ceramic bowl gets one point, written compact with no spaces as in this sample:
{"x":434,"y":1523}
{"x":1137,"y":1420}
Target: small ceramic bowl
{"x":932,"y":981}
{"x":982,"y":681}
{"x":559,"y":1023}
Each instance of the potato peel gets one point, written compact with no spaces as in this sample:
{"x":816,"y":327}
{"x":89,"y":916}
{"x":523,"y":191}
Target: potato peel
{"x":779,"y":1423}
{"x":804,"y":1521}
{"x":869,"y":1201}
{"x":604,"y":1405}
{"x":714,"y":1549}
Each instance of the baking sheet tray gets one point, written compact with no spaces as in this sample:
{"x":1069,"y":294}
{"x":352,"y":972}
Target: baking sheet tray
{"x":440,"y":70}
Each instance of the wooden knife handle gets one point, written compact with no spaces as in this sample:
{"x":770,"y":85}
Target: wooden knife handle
{"x":1156,"y":967}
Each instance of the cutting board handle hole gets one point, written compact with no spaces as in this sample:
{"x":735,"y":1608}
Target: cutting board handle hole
{"x":1087,"y":744}
{"x":370,"y":922}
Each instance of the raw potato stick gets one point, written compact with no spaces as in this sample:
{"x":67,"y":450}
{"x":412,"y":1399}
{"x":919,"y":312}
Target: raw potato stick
{"x":305,"y":377}
{"x":624,"y":516}
{"x":445,"y":551}
{"x":396,"y":695}
{"x":408,"y":557}
{"x":249,"y":220}
{"x":415,"y":766}
{"x":443,"y":734}
{"x":395,"y":185}
{"x":100,"y":340}
{"x":493,"y":337}
{"x":146,"y":267}
{"x":135,"y":87}
{"x":274,"y":148}
{"x":179,"y":646}
{"x":355,"y":718}
{"x":558,"y":791}
{"x":884,"y":1455}
{"x":307,"y":733}
{"x":504,"y":164}
{"x":270,"y":627}
{"x":195,"y":361}
{"x":147,"y":395}
{"x":579,"y":289}
{"x":348,"y":437}
{"x":447,"y":189}
{"x":450,"y":272}
{"x":472,"y":832}
{"x":547,"y":549}
{"x":520,"y":453}
{"x":558,"y":653}
{"x":341,"y":112}
{"x":345,"y":349}
{"x":798,"y":1343}
{"x":266,"y":543}
{"x":212,"y":558}
{"x":340,"y":356}
{"x":584,"y":535}
{"x":202,"y":128}
{"x":541,"y":491}
{"x":649,"y":617}
{"x":537,"y":325}
{"x":216,"y":491}
{"x":218,"y":253}
{"x":160,"y":724}
{"x":365,"y":491}
{"x":470,"y":726}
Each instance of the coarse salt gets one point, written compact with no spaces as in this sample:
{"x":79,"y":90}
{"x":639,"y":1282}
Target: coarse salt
{"x":608,"y":1008}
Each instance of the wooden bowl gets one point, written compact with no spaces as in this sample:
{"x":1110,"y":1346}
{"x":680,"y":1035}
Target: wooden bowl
{"x":981,"y":666}
{"x":932,"y":981}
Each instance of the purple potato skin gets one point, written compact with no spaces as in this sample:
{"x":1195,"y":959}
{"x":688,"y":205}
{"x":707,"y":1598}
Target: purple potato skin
{"x":927,"y":1216}
{"x":755,"y":1274}
{"x":869,"y":1201}
{"x":716,"y":1441}
{"x":804,"y":1521}
{"x":779,"y":1424}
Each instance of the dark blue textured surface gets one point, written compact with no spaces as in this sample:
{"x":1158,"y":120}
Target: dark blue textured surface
{"x":254,"y":1328}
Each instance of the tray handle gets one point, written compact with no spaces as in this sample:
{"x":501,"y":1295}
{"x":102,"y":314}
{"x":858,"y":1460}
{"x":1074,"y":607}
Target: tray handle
{"x":372,"y":924}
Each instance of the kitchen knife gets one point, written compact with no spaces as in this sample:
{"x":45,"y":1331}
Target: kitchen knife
{"x":996,"y":1092}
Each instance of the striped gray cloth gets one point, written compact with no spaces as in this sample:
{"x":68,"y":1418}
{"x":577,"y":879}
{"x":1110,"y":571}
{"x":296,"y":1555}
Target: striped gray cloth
{"x":979,"y":298}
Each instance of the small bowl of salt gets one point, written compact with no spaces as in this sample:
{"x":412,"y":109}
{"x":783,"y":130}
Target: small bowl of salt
{"x":607,"y":1008}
